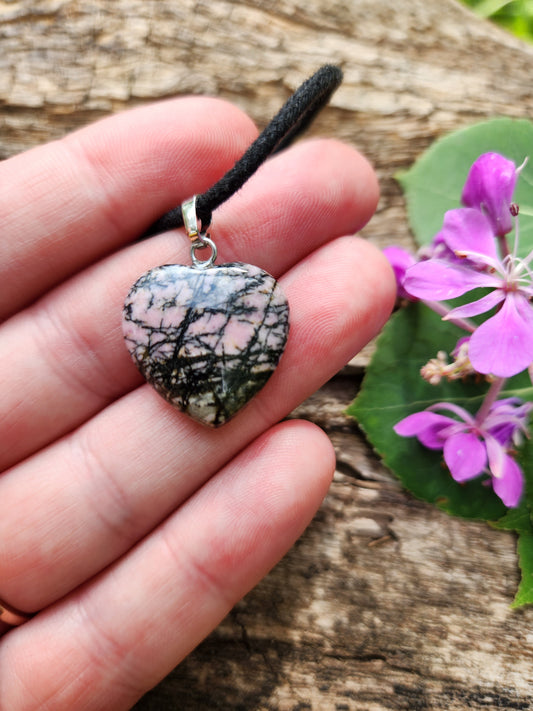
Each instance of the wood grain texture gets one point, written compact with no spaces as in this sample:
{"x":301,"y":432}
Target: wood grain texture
{"x":384,"y":603}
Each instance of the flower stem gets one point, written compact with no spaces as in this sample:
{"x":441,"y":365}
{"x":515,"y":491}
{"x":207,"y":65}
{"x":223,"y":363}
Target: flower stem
{"x":504,"y":245}
{"x":490,"y":398}
{"x":444,"y":310}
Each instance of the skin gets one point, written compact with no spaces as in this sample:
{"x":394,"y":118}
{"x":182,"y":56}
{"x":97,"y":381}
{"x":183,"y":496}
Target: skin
{"x":128,"y":529}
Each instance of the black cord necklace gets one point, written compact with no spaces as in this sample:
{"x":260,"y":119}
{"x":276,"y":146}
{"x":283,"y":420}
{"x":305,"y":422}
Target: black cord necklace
{"x":292,"y":119}
{"x":207,"y":337}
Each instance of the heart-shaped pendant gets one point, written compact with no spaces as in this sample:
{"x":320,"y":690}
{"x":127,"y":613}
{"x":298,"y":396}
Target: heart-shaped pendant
{"x":207,"y":339}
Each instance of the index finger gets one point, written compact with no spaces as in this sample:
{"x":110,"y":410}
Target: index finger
{"x":175,"y":145}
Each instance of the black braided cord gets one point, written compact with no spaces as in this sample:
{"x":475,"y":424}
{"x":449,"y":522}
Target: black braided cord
{"x":292,"y":119}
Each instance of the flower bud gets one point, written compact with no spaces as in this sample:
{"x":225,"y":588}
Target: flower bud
{"x":400,"y":260}
{"x":489,"y":187}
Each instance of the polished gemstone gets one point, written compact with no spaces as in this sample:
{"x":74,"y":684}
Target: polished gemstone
{"x":207,"y":339}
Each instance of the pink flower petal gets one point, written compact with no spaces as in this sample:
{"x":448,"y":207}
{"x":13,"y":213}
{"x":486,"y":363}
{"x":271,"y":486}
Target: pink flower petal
{"x":426,"y":426}
{"x":469,"y":229}
{"x":439,"y":280}
{"x":503,"y":345}
{"x":477,"y":307}
{"x":510,"y":485}
{"x":456,"y":409}
{"x":507,"y":422}
{"x":495,"y":455}
{"x":465,"y":456}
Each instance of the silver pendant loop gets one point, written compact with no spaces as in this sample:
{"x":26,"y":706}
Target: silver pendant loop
{"x":199,"y":240}
{"x":202,"y":243}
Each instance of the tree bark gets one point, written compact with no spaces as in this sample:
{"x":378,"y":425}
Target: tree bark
{"x":385,"y":602}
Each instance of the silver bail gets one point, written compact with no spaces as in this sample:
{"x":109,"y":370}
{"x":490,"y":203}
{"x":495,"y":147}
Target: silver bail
{"x":199,"y":240}
{"x":190,"y":220}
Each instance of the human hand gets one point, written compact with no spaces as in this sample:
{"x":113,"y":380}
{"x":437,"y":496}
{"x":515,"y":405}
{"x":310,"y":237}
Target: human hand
{"x":128,"y":529}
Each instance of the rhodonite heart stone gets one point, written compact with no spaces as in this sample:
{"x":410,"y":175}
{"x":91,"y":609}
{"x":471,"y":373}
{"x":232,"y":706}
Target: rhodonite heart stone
{"x":207,"y":338}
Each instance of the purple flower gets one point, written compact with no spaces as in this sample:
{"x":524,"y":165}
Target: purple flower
{"x":509,"y":421}
{"x":471,"y":447}
{"x":489,"y":187}
{"x":400,"y":260}
{"x":503,"y":344}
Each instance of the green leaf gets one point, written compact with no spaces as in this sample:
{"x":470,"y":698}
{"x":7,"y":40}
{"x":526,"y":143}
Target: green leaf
{"x":435,"y":182}
{"x":392,"y":389}
{"x":524,"y":595}
{"x":518,"y":520}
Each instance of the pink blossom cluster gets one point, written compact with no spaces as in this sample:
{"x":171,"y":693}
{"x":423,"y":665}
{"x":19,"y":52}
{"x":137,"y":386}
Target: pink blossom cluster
{"x":471,"y":251}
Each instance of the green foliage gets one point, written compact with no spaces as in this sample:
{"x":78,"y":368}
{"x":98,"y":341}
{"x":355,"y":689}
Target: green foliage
{"x":514,"y":15}
{"x":524,"y":596}
{"x":393,"y":388}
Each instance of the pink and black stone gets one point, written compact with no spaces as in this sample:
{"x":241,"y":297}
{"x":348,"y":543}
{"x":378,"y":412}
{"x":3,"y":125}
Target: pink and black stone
{"x":207,"y":339}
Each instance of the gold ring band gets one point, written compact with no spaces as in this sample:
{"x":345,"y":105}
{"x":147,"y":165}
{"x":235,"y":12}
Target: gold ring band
{"x":12,"y":617}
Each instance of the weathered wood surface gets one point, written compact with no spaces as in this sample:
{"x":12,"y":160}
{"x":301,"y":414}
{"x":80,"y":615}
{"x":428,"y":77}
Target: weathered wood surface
{"x":384,"y":603}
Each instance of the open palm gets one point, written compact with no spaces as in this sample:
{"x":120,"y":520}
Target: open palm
{"x":129,"y":529}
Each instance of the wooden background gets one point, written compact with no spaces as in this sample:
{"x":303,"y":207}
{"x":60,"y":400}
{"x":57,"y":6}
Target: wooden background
{"x":384,"y":603}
